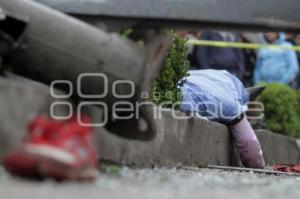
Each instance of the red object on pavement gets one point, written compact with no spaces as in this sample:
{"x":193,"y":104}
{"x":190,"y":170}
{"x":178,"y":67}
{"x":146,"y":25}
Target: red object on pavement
{"x":59,"y":149}
{"x":296,"y":168}
{"x":286,"y":168}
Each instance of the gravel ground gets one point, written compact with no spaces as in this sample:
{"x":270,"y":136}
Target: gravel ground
{"x":156,"y":183}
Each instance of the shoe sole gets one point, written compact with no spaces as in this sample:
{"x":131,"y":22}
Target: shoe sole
{"x":43,"y":163}
{"x":50,"y":152}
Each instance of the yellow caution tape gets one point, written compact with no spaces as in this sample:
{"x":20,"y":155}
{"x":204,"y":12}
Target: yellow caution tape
{"x":223,"y":44}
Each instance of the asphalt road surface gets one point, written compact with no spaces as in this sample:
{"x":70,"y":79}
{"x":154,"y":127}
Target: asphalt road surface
{"x":156,"y":183}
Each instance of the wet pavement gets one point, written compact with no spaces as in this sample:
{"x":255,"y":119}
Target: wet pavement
{"x":157,"y":183}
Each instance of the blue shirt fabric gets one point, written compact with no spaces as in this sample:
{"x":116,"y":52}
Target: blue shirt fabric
{"x":215,"y":94}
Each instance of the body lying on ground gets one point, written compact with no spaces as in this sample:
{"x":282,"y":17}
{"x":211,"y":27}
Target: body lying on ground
{"x":220,"y":96}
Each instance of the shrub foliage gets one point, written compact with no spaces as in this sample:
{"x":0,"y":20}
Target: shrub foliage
{"x":281,"y":109}
{"x":166,"y":87}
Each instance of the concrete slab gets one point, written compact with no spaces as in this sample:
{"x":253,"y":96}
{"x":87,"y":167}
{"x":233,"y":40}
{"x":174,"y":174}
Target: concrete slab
{"x":191,"y":142}
{"x":279,"y":148}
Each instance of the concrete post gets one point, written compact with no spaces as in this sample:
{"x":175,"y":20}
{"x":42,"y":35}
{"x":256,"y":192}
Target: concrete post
{"x":54,"y":46}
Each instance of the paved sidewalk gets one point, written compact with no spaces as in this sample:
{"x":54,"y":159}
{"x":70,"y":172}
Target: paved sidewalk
{"x":157,"y":183}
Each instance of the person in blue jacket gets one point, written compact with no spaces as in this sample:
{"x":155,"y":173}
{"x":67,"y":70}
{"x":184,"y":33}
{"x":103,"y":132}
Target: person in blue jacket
{"x":219,"y":96}
{"x":276,"y":64}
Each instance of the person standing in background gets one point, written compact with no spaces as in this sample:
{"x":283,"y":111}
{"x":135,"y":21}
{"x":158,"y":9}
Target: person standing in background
{"x":276,"y":64}
{"x":194,"y":35}
{"x":250,"y":60}
{"x":230,"y":59}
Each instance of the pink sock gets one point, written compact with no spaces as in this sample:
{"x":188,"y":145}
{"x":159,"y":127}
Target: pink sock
{"x":247,"y":144}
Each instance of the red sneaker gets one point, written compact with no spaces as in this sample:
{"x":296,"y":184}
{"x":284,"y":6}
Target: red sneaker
{"x":61,"y":150}
{"x":287,"y":168}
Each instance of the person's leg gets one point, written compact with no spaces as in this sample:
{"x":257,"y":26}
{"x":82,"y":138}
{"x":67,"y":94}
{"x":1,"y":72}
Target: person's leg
{"x":247,"y":144}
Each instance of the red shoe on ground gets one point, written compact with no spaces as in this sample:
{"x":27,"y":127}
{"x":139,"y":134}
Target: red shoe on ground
{"x":287,"y":168}
{"x":62,"y":150}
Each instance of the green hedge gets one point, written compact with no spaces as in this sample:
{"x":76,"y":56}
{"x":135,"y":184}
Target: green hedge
{"x":166,"y":87}
{"x":282,"y":113}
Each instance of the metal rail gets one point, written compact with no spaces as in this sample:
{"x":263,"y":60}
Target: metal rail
{"x":241,"y":169}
